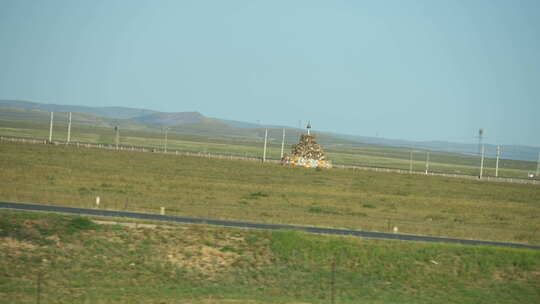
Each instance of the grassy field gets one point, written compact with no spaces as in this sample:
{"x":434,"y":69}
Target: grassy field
{"x":339,"y":151}
{"x":67,"y":259}
{"x":243,"y":190}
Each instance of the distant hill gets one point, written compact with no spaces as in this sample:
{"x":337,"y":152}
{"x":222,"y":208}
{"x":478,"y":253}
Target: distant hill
{"x":16,"y":113}
{"x":515,"y":152}
{"x":215,"y":128}
{"x":197,"y":124}
{"x":171,"y":119}
{"x":238,"y":124}
{"x":109,"y":112}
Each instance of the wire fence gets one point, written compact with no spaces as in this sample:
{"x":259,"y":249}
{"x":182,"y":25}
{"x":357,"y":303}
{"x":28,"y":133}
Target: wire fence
{"x":330,"y":280}
{"x":121,"y":147}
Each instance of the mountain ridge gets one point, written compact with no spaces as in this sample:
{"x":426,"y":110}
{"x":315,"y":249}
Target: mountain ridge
{"x":112,"y":112}
{"x":172,"y":118}
{"x":197,"y":123}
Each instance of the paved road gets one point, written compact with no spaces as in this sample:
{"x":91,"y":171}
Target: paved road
{"x":191,"y":220}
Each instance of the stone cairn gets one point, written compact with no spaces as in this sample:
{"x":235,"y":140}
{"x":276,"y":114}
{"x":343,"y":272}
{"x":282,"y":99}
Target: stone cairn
{"x":307,"y":153}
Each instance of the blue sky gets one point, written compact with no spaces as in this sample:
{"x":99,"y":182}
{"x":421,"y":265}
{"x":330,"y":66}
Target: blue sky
{"x":417,"y":70}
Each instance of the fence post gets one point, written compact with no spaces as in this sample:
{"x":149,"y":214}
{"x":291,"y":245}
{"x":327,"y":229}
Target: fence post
{"x":38,"y":290}
{"x":333,"y":281}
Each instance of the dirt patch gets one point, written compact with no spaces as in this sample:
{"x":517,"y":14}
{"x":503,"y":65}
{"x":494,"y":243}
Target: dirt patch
{"x":508,"y":275}
{"x":132,"y":225}
{"x":208,"y":260}
{"x":54,"y":238}
{"x":14,"y":248}
{"x":13,"y":244}
{"x":214,"y":251}
{"x":226,"y":301}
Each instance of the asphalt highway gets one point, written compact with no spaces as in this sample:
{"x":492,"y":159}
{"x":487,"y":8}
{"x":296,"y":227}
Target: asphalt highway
{"x":249,"y":225}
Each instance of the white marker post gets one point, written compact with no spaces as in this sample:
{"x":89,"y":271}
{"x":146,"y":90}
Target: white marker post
{"x":97,"y":201}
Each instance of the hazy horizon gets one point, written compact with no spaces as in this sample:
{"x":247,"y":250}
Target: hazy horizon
{"x":415,"y":70}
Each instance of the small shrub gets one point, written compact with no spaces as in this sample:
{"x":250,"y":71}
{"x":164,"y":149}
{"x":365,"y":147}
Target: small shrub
{"x":83,"y":191}
{"x":7,"y":227}
{"x":228,"y":248}
{"x":322,"y":210}
{"x":210,"y":244}
{"x":315,"y":210}
{"x":435,"y":217}
{"x":401,"y":193}
{"x":252,"y":238}
{"x":81,"y":223}
{"x":257,"y":195}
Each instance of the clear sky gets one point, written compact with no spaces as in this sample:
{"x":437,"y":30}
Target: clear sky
{"x":417,"y":70}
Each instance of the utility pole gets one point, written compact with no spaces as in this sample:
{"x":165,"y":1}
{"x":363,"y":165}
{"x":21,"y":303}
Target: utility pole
{"x":283,"y":143}
{"x":538,"y":165}
{"x":69,"y":128}
{"x":50,"y":128}
{"x":265,"y":139}
{"x":410,"y":163}
{"x":427,"y":162}
{"x":166,"y":130}
{"x":38,"y":291}
{"x":117,"y":130}
{"x":482,"y":162}
{"x":333,"y":282}
{"x":497,"y":162}
{"x":480,"y":137}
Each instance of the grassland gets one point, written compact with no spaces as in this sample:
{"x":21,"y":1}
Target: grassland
{"x":243,"y":190}
{"x":340,"y":151}
{"x":74,"y":260}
